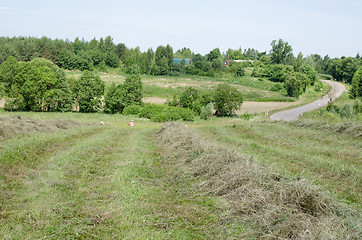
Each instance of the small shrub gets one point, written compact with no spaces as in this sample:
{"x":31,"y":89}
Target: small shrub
{"x":346,"y":111}
{"x":246,"y":116}
{"x":357,"y":107}
{"x":239,"y":71}
{"x":166,"y":116}
{"x":132,"y":110}
{"x":318,"y":86}
{"x":163,"y":113}
{"x":174,"y":73}
{"x":150,"y":110}
{"x":206,"y":111}
{"x":277,"y":87}
{"x":186,"y":114}
{"x":332,"y":108}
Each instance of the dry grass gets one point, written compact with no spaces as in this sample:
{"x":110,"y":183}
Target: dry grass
{"x":16,"y":125}
{"x":350,"y":129}
{"x":276,"y":207}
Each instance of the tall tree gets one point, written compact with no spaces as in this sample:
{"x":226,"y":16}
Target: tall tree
{"x":89,"y":89}
{"x":214,"y":54}
{"x":356,"y":90}
{"x":280,"y":51}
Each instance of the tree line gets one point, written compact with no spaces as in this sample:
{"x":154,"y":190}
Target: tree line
{"x":40,"y":85}
{"x":294,"y":73}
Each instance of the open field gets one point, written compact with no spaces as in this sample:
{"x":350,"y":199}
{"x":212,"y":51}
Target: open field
{"x":256,"y":93}
{"x":330,"y":159}
{"x":89,"y":181}
{"x":167,"y":86}
{"x":98,"y":182}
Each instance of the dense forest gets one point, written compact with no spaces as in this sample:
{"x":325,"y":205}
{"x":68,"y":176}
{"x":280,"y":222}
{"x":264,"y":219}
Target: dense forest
{"x":30,"y":65}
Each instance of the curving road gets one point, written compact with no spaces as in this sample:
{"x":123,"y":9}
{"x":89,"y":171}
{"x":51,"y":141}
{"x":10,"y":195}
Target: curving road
{"x":293,"y":114}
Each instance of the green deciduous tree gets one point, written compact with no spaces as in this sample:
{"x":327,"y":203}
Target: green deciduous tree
{"x":310,"y":72}
{"x":190,"y":99}
{"x":88,"y":90}
{"x":343,"y":69}
{"x":38,"y":85}
{"x":280,"y":51}
{"x":356,"y":90}
{"x":113,"y":98}
{"x":214,"y":54}
{"x":295,"y":83}
{"x":227,"y":99}
{"x":120,"y":96}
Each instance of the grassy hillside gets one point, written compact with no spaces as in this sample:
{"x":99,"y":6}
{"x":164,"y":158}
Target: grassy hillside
{"x":321,"y":156}
{"x":87,"y":181}
{"x":167,"y":86}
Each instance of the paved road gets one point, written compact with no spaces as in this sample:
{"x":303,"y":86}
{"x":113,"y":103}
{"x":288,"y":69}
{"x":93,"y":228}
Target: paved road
{"x":293,"y":114}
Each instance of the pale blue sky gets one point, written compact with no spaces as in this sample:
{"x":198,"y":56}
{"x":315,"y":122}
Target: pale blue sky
{"x":321,"y":26}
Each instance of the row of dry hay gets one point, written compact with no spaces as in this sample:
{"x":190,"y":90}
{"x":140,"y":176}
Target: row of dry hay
{"x":349,"y":129}
{"x":274,"y":205}
{"x":16,"y":125}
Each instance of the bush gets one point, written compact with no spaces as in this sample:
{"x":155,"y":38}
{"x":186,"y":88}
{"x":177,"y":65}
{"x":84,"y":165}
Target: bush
{"x":132,"y":110}
{"x":163,"y":113}
{"x":318,"y":86}
{"x":277,"y":87}
{"x":332,"y":108}
{"x":166,"y":116}
{"x":239,"y":72}
{"x":357,"y":107}
{"x":206,"y":111}
{"x":346,"y":111}
{"x":150,"y":110}
{"x":246,"y":116}
{"x":173,"y":114}
{"x":186,"y":114}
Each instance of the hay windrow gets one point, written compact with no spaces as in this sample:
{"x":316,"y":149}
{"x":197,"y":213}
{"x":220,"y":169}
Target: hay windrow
{"x":349,"y":129}
{"x":275,"y":205}
{"x":16,"y":126}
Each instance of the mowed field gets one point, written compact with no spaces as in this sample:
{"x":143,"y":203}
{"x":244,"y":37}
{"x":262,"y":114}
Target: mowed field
{"x":63,"y":175}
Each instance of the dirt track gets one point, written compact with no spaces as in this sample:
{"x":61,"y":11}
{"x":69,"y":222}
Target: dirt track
{"x":293,"y":114}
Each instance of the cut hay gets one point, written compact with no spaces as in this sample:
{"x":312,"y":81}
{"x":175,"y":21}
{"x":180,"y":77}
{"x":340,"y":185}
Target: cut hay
{"x":276,"y":206}
{"x":349,"y":129}
{"x":16,"y":126}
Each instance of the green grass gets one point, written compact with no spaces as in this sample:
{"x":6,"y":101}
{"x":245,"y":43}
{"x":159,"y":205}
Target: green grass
{"x":100,"y":182}
{"x":168,"y":86}
{"x":324,"y":158}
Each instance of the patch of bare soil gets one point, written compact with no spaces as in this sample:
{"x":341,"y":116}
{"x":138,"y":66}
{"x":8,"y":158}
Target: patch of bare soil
{"x":15,"y":126}
{"x":276,"y":206}
{"x":155,"y":100}
{"x":259,"y":107}
{"x":175,"y":85}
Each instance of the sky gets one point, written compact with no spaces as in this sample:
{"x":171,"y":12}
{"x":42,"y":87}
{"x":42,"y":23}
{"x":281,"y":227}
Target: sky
{"x":310,"y":26}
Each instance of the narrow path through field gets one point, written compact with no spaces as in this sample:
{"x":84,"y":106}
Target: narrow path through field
{"x":294,"y":113}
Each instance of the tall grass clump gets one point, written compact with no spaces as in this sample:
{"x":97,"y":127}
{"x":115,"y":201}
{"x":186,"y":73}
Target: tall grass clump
{"x":276,"y":206}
